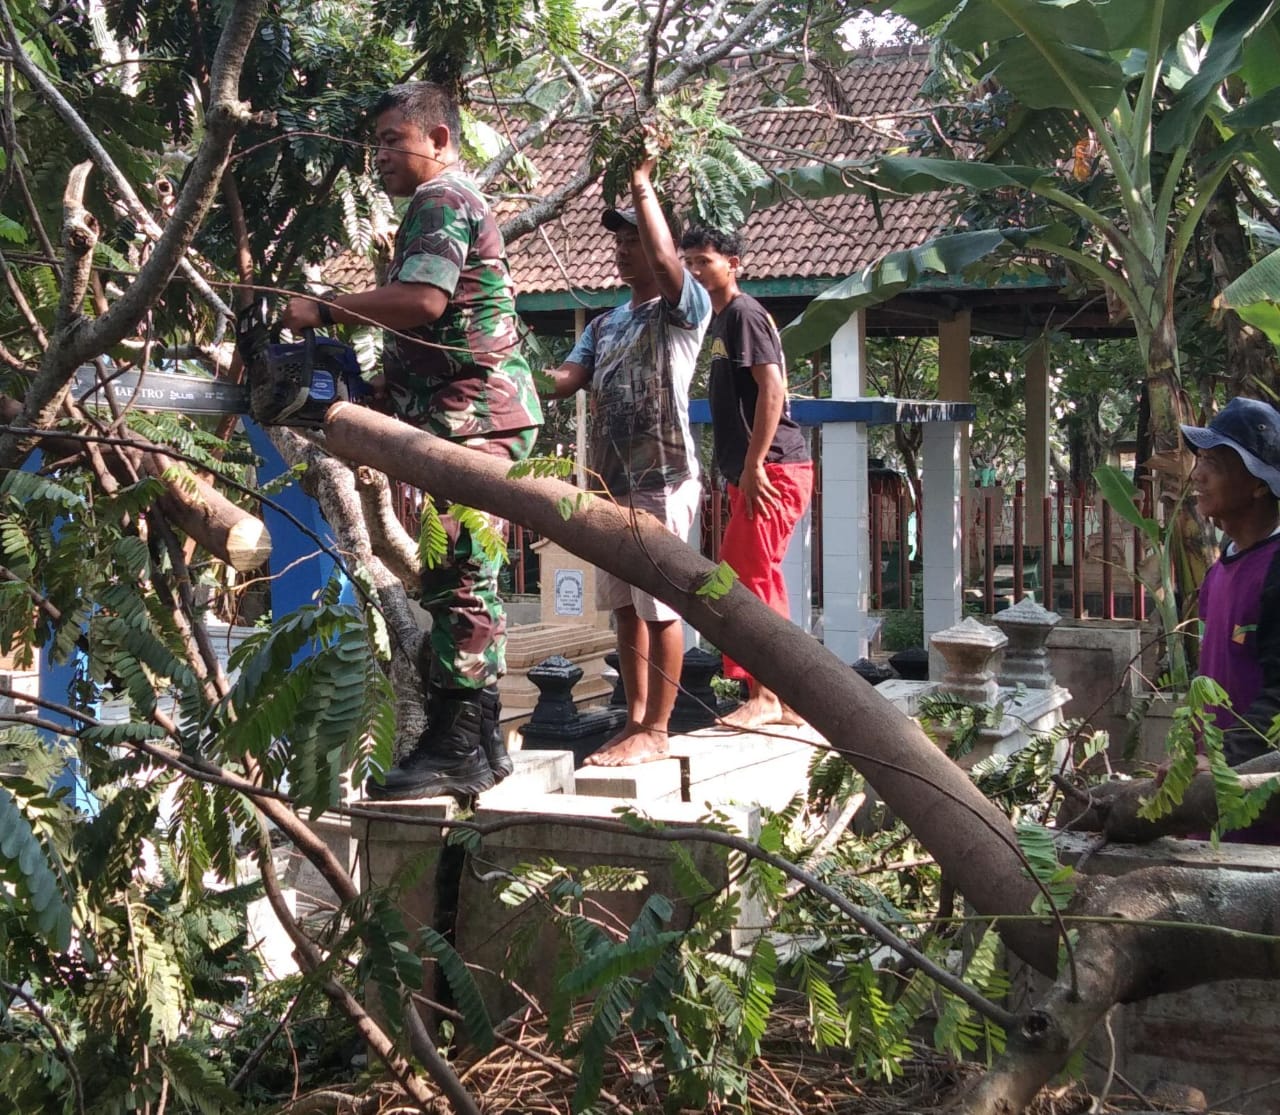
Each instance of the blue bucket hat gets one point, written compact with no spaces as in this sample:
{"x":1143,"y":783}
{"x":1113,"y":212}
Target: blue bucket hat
{"x":1252,"y":429}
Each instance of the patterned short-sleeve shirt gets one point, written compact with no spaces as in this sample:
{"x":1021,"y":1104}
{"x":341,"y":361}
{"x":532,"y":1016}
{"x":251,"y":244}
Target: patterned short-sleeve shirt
{"x":641,"y":359}
{"x":462,"y":375}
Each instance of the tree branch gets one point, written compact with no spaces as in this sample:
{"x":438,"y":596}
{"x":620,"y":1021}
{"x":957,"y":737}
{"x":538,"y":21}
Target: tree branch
{"x":388,"y":538}
{"x":79,"y":238}
{"x":79,"y":342}
{"x":51,"y":95}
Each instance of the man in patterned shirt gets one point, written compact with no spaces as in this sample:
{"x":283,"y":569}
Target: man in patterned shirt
{"x":638,"y":360}
{"x":453,"y":367}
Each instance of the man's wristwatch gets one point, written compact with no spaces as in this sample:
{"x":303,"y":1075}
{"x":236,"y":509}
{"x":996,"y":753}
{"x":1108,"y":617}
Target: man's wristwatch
{"x":324,"y":312}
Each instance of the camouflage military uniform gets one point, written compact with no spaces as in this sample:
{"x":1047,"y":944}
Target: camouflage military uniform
{"x":462,"y":377}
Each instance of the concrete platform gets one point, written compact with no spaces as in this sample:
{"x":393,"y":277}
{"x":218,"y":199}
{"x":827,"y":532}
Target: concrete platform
{"x":729,"y":772}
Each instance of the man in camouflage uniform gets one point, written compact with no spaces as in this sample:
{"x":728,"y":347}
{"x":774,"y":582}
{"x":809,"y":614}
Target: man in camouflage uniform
{"x":452,"y":366}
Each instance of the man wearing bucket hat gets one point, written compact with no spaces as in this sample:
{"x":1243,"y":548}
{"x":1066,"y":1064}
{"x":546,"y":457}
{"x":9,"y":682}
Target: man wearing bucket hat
{"x":1236,"y":481}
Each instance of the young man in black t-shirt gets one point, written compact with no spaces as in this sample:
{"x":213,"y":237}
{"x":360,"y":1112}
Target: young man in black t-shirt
{"x":759,"y":449}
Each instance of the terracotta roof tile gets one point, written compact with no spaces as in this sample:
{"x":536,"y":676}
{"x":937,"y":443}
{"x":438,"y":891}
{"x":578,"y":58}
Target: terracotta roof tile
{"x":824,"y":239}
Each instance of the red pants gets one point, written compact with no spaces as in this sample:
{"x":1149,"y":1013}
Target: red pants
{"x":755,"y":547}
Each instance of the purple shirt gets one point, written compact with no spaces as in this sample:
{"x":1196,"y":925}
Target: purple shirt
{"x":1239,"y":601}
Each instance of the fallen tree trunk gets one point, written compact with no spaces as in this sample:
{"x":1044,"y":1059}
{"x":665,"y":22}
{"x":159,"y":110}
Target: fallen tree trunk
{"x":1119,"y":956}
{"x":1165,"y":929}
{"x":932,"y":795}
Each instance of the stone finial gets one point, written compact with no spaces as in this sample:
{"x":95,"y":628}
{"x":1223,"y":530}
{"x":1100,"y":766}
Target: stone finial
{"x":1026,"y":661}
{"x":696,"y":703}
{"x":970,"y":649}
{"x":555,"y":678}
{"x":557,"y":724}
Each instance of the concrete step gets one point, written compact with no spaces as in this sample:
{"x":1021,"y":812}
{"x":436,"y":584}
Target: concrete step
{"x":714,"y":765}
{"x":767,"y":767}
{"x":658,"y":781}
{"x":537,"y":772}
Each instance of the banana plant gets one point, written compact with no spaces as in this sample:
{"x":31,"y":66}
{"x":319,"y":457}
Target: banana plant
{"x":1110,"y":66}
{"x":1146,"y":83}
{"x":1121,"y":492}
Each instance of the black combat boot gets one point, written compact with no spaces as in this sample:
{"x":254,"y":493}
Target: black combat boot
{"x":495,"y":747}
{"x":448,"y":758}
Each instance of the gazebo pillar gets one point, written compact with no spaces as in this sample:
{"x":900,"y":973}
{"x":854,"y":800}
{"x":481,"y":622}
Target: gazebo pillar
{"x":846,"y":522}
{"x":941,"y":532}
{"x":1037,"y":447}
{"x":953,"y":386}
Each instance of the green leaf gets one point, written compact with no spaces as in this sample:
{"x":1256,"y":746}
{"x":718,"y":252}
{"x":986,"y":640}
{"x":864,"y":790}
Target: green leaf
{"x":1130,"y":24}
{"x":1046,"y":52}
{"x":1224,"y":56}
{"x":433,"y":542}
{"x":466,"y":994}
{"x":1047,"y":75}
{"x":484,"y":535}
{"x":1260,"y":112}
{"x":718,"y":582}
{"x":615,"y":961}
{"x":22,"y":849}
{"x":1255,"y":296}
{"x":1123,"y":495}
{"x":12,"y":231}
{"x":890,"y":275}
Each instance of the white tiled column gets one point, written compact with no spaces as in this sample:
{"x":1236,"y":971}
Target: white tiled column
{"x":941,"y":528}
{"x":846,"y":545}
{"x":954,"y":344}
{"x":849,"y":358}
{"x":797,"y":572}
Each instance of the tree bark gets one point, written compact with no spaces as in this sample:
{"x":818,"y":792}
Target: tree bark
{"x":933,"y":797}
{"x":1118,"y":956}
{"x":333,"y":485}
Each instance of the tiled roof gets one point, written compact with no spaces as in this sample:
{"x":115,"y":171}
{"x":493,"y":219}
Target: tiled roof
{"x":824,"y":239}
{"x":797,"y":239}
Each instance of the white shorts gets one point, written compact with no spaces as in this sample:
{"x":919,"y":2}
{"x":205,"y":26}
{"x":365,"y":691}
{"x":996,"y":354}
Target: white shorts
{"x":676,"y":507}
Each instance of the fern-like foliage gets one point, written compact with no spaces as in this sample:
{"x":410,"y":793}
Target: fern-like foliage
{"x":1041,"y":854}
{"x":1193,"y":735}
{"x":310,"y":699}
{"x":30,"y":866}
{"x":693,"y":145}
{"x":433,"y":540}
{"x":462,"y":984}
{"x":541,"y":468}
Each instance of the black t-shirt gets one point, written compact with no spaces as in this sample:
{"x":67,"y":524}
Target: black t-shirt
{"x":742,"y":335}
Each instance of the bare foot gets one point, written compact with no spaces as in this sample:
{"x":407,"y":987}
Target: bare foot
{"x":639,"y":745}
{"x":629,"y":728}
{"x":791,"y":718}
{"x":755,"y":712}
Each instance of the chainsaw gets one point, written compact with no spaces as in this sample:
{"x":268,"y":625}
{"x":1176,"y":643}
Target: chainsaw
{"x":294,"y":384}
{"x":286,"y":383}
